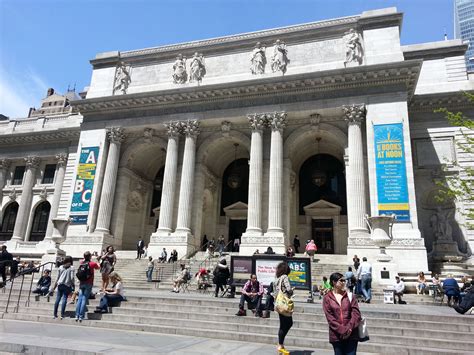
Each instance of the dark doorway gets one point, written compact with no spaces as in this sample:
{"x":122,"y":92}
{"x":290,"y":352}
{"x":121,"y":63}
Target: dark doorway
{"x":323,"y":235}
{"x":235,"y":184}
{"x":40,"y":222}
{"x":237,"y":227}
{"x":8,"y":222}
{"x":157,"y":190}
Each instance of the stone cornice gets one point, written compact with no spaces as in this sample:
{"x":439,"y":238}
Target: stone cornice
{"x":427,"y":103}
{"x":39,"y":137}
{"x":402,"y":75}
{"x":433,"y":50}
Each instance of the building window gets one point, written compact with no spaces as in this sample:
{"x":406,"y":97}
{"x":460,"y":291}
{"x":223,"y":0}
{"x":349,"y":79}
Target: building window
{"x":49,"y":170}
{"x":18,"y":175}
{"x":8,"y":222}
{"x":40,"y":222}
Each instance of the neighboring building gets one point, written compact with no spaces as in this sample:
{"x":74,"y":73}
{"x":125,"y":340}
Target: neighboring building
{"x":464,"y":27}
{"x":260,"y":136}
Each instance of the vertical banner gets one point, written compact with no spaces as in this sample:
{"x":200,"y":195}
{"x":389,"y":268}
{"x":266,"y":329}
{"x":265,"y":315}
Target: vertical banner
{"x":85,"y":176}
{"x":390,"y":166}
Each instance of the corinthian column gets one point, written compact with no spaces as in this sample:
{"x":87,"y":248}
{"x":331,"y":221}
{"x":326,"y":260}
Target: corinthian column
{"x":4,"y":166}
{"x":21,"y":222}
{"x":277,"y":123}
{"x":169,"y":180}
{"x":356,"y":198}
{"x":254,"y":212}
{"x":116,"y":136}
{"x":58,"y":188}
{"x":191,"y":131}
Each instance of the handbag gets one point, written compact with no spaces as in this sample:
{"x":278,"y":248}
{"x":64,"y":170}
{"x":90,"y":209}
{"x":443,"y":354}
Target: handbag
{"x":284,"y":305}
{"x":362,"y":328}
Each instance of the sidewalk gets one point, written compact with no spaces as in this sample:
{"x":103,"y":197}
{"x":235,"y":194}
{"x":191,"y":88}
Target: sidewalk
{"x":52,"y":339}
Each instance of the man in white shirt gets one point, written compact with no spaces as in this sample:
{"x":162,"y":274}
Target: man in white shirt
{"x":364,"y":274}
{"x":399,"y":287}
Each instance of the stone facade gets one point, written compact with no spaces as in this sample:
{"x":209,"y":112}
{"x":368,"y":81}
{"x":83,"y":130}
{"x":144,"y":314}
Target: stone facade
{"x":273,"y":137}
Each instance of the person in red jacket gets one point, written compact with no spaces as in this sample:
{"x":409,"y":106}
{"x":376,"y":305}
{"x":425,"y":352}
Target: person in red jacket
{"x":343,"y":316}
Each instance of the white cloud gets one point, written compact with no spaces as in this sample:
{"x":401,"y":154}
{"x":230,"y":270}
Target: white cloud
{"x":20,"y":91}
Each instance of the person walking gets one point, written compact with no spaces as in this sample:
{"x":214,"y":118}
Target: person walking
{"x":286,"y":322}
{"x":296,"y":244}
{"x":107,"y":263}
{"x":343,"y":316}
{"x":140,"y":246}
{"x":149,"y":270}
{"x":364,"y":274}
{"x":85,"y":274}
{"x":5,"y":260}
{"x":350,"y":279}
{"x":65,"y":285}
{"x":221,"y":275}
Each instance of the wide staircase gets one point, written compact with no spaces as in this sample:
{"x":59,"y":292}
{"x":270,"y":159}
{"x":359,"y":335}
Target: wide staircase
{"x":151,"y":307}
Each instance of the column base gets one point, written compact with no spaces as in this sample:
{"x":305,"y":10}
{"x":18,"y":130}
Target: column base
{"x":383,"y":273}
{"x":252,"y":241}
{"x":181,"y":240}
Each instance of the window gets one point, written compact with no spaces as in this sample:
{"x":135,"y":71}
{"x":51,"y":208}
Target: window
{"x":18,"y":175}
{"x":40,"y":222}
{"x":8,"y":222}
{"x":49,"y":170}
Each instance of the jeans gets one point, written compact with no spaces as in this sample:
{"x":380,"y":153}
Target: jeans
{"x":109,"y":299}
{"x":285,"y":324}
{"x":149,"y":274}
{"x":84,"y":293}
{"x":366,"y":286}
{"x":254,"y":303}
{"x":345,"y":347}
{"x":63,"y":292}
{"x":43,"y":291}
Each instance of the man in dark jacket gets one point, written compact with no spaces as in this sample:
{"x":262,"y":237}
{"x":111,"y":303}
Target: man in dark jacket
{"x":467,"y":301}
{"x":296,"y":244}
{"x":43,"y":284}
{"x":5,"y":260}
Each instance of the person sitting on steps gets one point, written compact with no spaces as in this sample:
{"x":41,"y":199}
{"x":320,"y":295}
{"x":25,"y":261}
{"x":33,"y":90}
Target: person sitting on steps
{"x":252,"y":292}
{"x":43,"y":284}
{"x":112,"y":296}
{"x":399,"y":288}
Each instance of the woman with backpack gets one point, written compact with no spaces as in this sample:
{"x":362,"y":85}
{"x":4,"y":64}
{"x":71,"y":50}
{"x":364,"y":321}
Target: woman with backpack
{"x":65,"y":285}
{"x":107,"y":262}
{"x":343,"y":316}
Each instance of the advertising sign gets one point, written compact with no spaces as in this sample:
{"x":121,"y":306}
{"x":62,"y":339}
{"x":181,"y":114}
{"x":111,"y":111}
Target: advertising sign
{"x":265,"y":269}
{"x":390,"y":166}
{"x":300,"y":277}
{"x":84,"y":184}
{"x":241,"y":269}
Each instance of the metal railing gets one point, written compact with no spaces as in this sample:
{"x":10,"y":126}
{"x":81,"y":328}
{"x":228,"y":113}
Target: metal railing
{"x":30,"y":271}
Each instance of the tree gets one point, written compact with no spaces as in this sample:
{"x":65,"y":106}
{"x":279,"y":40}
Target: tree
{"x":460,"y":187}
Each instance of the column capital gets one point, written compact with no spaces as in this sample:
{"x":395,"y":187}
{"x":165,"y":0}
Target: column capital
{"x":32,"y":162}
{"x":190,"y":128}
{"x":5,"y":163}
{"x":257,"y":121}
{"x":115,"y":134}
{"x":173,"y":128}
{"x":354,"y":113}
{"x":61,"y":159}
{"x":277,"y":121}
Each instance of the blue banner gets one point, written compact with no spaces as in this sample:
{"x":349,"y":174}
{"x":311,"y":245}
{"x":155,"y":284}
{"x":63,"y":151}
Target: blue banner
{"x":390,"y":167}
{"x":84,"y":184}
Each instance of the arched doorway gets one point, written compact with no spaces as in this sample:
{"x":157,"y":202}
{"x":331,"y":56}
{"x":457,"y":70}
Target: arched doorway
{"x":322,"y":198}
{"x":8,"y":221}
{"x":40,"y":222}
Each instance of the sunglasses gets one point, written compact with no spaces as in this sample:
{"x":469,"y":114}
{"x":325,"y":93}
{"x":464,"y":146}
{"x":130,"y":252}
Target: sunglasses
{"x":341,"y":280}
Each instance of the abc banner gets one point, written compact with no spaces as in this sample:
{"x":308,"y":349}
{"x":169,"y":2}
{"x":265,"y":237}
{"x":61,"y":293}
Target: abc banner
{"x":391,"y":171}
{"x":81,"y":197}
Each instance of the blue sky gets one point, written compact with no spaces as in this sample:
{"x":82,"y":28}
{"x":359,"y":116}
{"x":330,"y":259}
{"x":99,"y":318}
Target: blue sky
{"x":48,"y":43}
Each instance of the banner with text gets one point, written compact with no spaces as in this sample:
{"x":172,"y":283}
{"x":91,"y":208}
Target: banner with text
{"x":390,"y":166}
{"x":84,"y":184}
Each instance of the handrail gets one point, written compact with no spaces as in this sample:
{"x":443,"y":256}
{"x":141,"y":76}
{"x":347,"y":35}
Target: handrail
{"x":22,"y":274}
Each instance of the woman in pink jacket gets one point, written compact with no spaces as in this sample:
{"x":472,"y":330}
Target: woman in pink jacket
{"x":311,"y":248}
{"x":343,"y":316}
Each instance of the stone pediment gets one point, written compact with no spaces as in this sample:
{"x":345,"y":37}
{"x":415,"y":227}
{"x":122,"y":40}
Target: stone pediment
{"x":322,"y":207}
{"x":238,"y":209}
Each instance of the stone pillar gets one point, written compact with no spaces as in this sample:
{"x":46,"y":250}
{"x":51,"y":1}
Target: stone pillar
{"x":191,"y":131}
{"x":254,"y":212}
{"x":277,"y":123}
{"x":165,"y":223}
{"x":21,"y":222}
{"x":4,"y":166}
{"x":58,"y":187}
{"x":115,"y":135}
{"x":356,"y":197}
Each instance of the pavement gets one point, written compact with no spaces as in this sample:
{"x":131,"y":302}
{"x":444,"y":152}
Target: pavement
{"x":62,"y":339}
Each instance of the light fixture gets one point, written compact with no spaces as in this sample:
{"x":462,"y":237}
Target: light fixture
{"x":318,"y":177}
{"x":234,"y":180}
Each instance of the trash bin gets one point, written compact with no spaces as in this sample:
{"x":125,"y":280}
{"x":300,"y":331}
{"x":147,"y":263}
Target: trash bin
{"x":389,"y":296}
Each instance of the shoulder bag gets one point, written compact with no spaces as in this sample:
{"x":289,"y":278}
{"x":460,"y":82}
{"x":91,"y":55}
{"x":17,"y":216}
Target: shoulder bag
{"x":362,"y":328}
{"x":284,"y":305}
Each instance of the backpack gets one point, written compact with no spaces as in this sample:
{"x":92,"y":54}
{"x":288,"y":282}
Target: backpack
{"x":187,"y":276}
{"x":84,"y":272}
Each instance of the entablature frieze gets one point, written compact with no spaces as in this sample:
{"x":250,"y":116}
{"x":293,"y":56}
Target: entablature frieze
{"x":428,"y":103}
{"x":38,"y":137}
{"x":290,"y":88}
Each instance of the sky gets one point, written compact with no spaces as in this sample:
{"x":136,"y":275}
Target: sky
{"x":49,"y":43}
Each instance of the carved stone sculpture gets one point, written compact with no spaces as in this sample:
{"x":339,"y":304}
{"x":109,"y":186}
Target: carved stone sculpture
{"x":258,"y":59}
{"x":122,"y":79}
{"x":12,"y":195}
{"x":61,"y":159}
{"x":354,"y":113}
{"x":197,"y":68}
{"x":257,"y":121}
{"x":280,"y":57}
{"x":115,"y":134}
{"x":32,"y":162}
{"x":174,"y":128}
{"x":190,"y":128}
{"x":441,"y":225}
{"x":277,"y":121}
{"x":353,"y":43}
{"x":180,"y":75}
{"x":43,"y":195}
{"x":148,"y":134}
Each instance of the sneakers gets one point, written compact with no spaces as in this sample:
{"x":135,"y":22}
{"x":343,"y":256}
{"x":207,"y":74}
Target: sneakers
{"x":241,"y":313}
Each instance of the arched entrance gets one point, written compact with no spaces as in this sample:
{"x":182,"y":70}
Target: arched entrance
{"x":40,"y":222}
{"x":8,"y":221}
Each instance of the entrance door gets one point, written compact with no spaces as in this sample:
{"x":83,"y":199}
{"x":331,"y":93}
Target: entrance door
{"x":237,"y":227}
{"x":323,"y":235}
